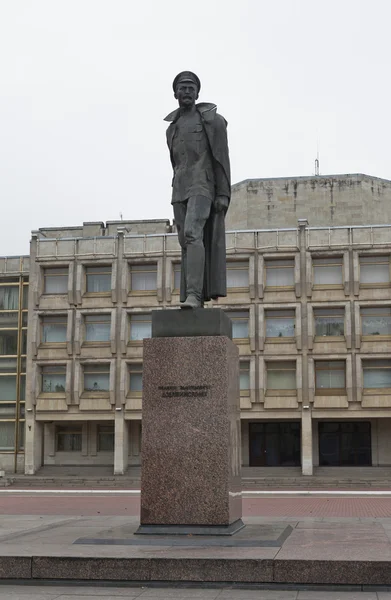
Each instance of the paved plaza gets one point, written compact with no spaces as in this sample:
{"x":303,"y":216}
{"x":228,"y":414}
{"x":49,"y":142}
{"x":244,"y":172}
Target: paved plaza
{"x":58,"y":592}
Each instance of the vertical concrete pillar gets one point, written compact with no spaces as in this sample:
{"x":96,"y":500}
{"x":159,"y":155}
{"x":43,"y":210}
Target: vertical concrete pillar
{"x":121,"y":444}
{"x":306,"y":442}
{"x":33,"y":445}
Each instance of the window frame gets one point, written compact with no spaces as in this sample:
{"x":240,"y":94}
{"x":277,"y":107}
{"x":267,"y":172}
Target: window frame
{"x":95,"y":266}
{"x":330,"y":391}
{"x":370,"y":262}
{"x":131,"y":315}
{"x":95,"y":343}
{"x":42,"y":317}
{"x":279,"y":339}
{"x":241,"y":340}
{"x":73,"y":429}
{"x":329,"y":338}
{"x":99,"y":433}
{"x":46,"y":268}
{"x":270,"y":392}
{"x":372,"y":391}
{"x":140,"y":268}
{"x":244,"y":265}
{"x":267,"y":265}
{"x":373,"y":337}
{"x":42,"y":393}
{"x":136,"y":368}
{"x":95,"y":393}
{"x":331,"y":262}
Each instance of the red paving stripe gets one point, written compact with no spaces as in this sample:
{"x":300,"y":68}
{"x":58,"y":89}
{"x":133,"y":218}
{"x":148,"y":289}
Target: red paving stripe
{"x":254,"y":507}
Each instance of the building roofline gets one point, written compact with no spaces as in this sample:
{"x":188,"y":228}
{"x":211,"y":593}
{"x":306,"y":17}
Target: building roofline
{"x":312,"y":177}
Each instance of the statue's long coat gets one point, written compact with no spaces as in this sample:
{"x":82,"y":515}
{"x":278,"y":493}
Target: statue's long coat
{"x":215,"y":127}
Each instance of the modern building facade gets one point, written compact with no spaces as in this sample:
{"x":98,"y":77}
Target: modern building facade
{"x":311,"y":312}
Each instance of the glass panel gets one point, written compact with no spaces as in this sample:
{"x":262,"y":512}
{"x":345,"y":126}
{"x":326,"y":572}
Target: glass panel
{"x":23,"y":365}
{"x":98,"y":328}
{"x":140,"y":327}
{"x":7,"y":436}
{"x":24,"y":341}
{"x":136,"y":379}
{"x":244,"y":380}
{"x":98,"y":279}
{"x":24,"y":319}
{"x":8,"y":342}
{"x":9,"y":320}
{"x":22,"y":389}
{"x":9,"y":297}
{"x":279,"y":276}
{"x":330,"y":375}
{"x":143,"y":278}
{"x":375,"y":270}
{"x":329,"y":322}
{"x":327,"y":271}
{"x":21,"y":435}
{"x":376,"y":321}
{"x":54,"y":329}
{"x":55,"y":281}
{"x":68,"y":441}
{"x":8,"y":365}
{"x":53,"y":379}
{"x":8,"y":387}
{"x":237,"y":275}
{"x":97,"y":378}
{"x":106,"y":438}
{"x":177,"y":276}
{"x":278,"y":325}
{"x":7,"y":411}
{"x":239,"y":324}
{"x":25,"y":301}
{"x":281,"y":375}
{"x":377,"y":377}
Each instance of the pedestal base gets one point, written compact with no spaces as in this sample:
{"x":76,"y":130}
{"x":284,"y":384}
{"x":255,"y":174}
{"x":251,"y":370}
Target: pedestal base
{"x":190,"y":529}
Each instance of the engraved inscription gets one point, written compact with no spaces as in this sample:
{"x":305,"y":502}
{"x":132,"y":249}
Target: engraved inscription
{"x":184,"y":391}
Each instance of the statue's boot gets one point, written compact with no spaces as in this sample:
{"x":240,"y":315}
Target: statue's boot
{"x":195,"y":264}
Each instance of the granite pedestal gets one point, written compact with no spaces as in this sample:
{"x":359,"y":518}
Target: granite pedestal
{"x":190,"y":476}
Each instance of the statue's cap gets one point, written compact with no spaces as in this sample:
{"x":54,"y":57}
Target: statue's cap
{"x":186,"y":76}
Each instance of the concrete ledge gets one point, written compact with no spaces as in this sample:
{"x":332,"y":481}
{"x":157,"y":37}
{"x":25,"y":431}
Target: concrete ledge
{"x":217,"y":570}
{"x":190,"y":323}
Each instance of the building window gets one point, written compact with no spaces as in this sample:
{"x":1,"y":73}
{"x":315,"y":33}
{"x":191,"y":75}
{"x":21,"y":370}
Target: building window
{"x":97,"y":378}
{"x":97,"y":328}
{"x":280,"y":324}
{"x":237,"y":275}
{"x":239,"y":324}
{"x":330,"y":378}
{"x":375,"y":270}
{"x":98,"y":279}
{"x":54,"y":329}
{"x":8,"y":342}
{"x":244,"y":378}
{"x":377,"y":374}
{"x":9,"y":297}
{"x":53,"y":379}
{"x":329,"y":322}
{"x":376,"y":321}
{"x":69,"y":438}
{"x":140,"y":327}
{"x":281,"y":376}
{"x":143,"y":278}
{"x":280,"y":273}
{"x":105,"y":438}
{"x":7,"y":435}
{"x":135,"y":379}
{"x":328,"y":271}
{"x":56,"y":280}
{"x":177,"y":276}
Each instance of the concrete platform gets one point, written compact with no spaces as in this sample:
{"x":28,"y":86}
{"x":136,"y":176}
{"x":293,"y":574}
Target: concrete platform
{"x":277,"y":552}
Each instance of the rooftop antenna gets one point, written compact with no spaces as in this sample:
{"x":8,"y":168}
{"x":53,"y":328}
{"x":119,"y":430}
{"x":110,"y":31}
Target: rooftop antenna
{"x":120,"y":216}
{"x":317,"y":160}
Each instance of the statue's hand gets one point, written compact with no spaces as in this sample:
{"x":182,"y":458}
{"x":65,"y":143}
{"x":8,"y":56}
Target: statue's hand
{"x":221,"y":203}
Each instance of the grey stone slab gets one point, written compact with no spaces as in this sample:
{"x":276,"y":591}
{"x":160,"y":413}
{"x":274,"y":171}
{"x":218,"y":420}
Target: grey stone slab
{"x":211,"y":570}
{"x":252,"y":536}
{"x":15,"y":567}
{"x":326,"y":595}
{"x":332,"y":572}
{"x":189,"y":323}
{"x":93,"y":569}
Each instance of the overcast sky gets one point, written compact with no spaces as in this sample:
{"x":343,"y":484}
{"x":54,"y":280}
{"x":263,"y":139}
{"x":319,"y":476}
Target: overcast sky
{"x":85,"y":85}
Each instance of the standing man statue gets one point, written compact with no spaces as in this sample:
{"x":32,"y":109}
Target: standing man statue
{"x":201,"y":191}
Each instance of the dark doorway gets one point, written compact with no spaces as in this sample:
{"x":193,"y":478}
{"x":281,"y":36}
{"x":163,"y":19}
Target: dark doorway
{"x":345,"y":444}
{"x":274,"y":444}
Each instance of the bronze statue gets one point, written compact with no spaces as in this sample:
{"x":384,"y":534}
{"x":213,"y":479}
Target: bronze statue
{"x":201,"y":191}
